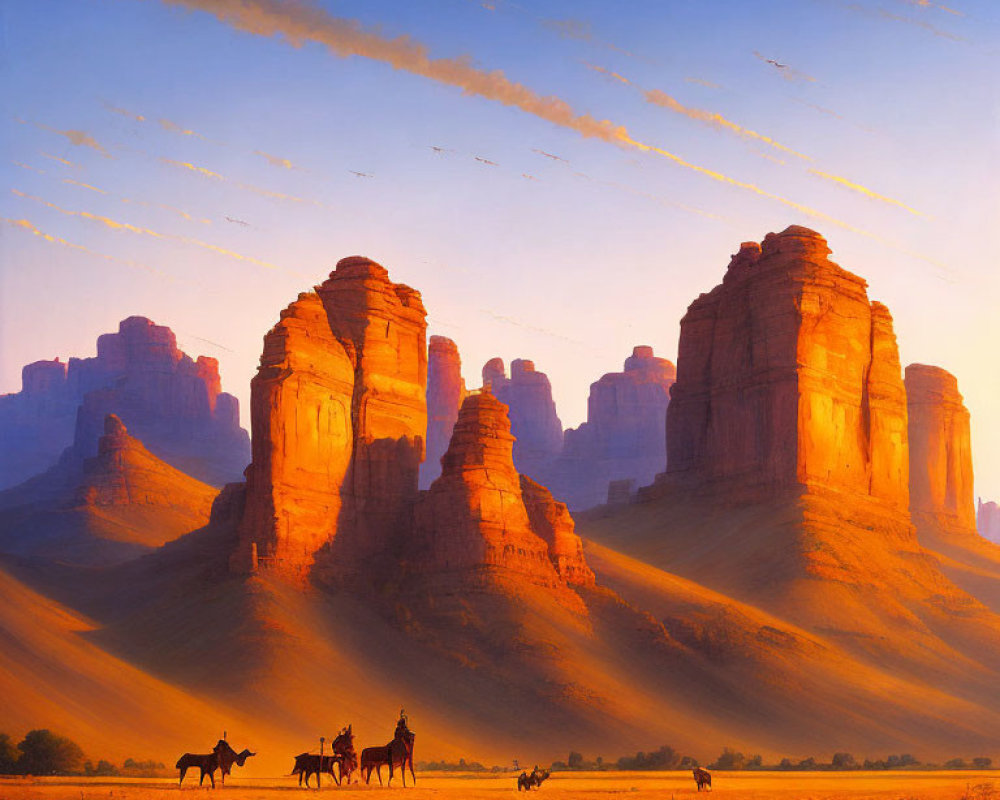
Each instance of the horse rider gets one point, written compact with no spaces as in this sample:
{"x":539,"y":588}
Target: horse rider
{"x":401,"y":726}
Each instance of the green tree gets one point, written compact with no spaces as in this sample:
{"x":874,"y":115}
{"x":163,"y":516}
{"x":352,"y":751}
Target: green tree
{"x":8,"y":755}
{"x":45,"y":753}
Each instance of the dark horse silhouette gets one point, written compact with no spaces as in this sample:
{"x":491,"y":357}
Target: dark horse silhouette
{"x":532,"y":781}
{"x":703,"y":778}
{"x":222,"y":757}
{"x":398,"y":753}
{"x":343,"y":755}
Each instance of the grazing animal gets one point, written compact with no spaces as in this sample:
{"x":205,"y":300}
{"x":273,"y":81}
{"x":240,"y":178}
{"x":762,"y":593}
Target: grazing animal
{"x":222,"y":757}
{"x":532,"y":781}
{"x":703,"y":778}
{"x":308,"y":764}
{"x":398,"y":753}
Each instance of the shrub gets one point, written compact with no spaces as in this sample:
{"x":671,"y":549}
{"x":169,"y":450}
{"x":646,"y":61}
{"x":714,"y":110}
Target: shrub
{"x":8,"y":755}
{"x":729,"y":759}
{"x":844,"y":761}
{"x":45,"y":753}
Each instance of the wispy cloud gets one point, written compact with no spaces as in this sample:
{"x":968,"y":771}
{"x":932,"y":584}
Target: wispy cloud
{"x":116,"y":225}
{"x":343,"y":37}
{"x":173,"y":127}
{"x":609,"y":73}
{"x":662,"y":99}
{"x":703,"y":82}
{"x":856,"y":187}
{"x":276,"y":161}
{"x":30,"y":227}
{"x":77,"y":137}
{"x":249,"y":187}
{"x":193,"y":168}
{"x":125,"y":112}
{"x":64,"y":161}
{"x":928,"y":4}
{"x":889,"y":16}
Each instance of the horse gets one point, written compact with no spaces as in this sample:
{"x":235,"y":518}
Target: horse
{"x":703,"y":778}
{"x":222,"y":756}
{"x":307,"y":764}
{"x":399,"y":752}
{"x":532,"y":781}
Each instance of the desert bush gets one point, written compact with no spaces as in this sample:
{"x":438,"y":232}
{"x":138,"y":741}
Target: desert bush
{"x":45,"y":753}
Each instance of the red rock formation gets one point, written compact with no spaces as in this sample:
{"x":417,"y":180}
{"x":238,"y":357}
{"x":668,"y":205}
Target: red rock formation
{"x":528,"y":395}
{"x":624,"y":435}
{"x":988,"y":520}
{"x":788,"y":377}
{"x":479,"y":518}
{"x":941,"y":481}
{"x":445,"y":393}
{"x":303,"y":439}
{"x":338,"y":418}
{"x":170,"y":401}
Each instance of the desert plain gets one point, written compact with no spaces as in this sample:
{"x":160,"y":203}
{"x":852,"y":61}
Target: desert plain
{"x":896,"y":785}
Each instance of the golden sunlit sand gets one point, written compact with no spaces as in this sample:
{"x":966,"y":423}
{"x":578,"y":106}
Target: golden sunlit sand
{"x":952,"y":785}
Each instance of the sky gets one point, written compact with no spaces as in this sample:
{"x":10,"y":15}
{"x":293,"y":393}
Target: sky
{"x":559,"y":179}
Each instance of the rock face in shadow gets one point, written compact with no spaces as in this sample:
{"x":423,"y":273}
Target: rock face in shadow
{"x":533,"y":419}
{"x":481,"y":517}
{"x":941,"y":480}
{"x":170,"y":401}
{"x":101,"y":510}
{"x":338,"y":418}
{"x":445,"y":393}
{"x":788,"y":377}
{"x":988,"y":520}
{"x":624,"y":436}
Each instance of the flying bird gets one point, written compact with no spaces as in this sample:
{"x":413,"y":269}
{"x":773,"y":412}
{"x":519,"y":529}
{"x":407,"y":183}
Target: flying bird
{"x":487,"y":161}
{"x":549,"y":155}
{"x":439,"y":150}
{"x":360,"y":174}
{"x":237,"y":222}
{"x":772,"y":61}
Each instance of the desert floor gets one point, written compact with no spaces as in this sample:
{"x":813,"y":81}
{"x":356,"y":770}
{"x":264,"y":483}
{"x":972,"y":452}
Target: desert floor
{"x":951,"y":785}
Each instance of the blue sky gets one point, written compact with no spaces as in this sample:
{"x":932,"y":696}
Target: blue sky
{"x":569,"y":262}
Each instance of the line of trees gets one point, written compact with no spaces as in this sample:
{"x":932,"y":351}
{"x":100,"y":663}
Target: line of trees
{"x":667,"y":758}
{"x":42,"y":752}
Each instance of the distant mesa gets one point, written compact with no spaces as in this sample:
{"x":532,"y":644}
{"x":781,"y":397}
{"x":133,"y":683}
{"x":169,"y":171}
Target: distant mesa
{"x":988,"y":520}
{"x":941,"y":480}
{"x":172,"y":403}
{"x":114,"y":506}
{"x":624,"y":437}
{"x":445,"y":393}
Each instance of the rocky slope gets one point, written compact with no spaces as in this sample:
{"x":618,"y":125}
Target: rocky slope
{"x":445,"y":393}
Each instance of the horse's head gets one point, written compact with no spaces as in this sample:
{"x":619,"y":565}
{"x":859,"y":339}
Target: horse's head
{"x":242,"y":757}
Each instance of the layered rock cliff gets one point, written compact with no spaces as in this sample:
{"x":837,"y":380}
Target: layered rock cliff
{"x":533,"y":418}
{"x":338,"y":415}
{"x":170,"y":401}
{"x":941,"y":480}
{"x":481,"y":518}
{"x":445,"y":393}
{"x":789,"y":378}
{"x":624,"y":436}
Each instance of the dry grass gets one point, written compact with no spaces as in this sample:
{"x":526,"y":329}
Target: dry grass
{"x":951,"y":785}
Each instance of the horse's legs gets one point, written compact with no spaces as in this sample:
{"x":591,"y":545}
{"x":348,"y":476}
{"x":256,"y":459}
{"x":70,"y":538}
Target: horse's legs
{"x":211,"y":777}
{"x":412,"y":773}
{"x":378,"y":771}
{"x":183,"y":773}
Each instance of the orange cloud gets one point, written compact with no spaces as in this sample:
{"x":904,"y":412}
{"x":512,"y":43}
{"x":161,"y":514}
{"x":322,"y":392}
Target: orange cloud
{"x":63,"y":161}
{"x":173,"y":127}
{"x":662,"y":99}
{"x":702,"y":82}
{"x":299,"y":24}
{"x":609,"y":73}
{"x":79,"y":138}
{"x":275,"y":161}
{"x":857,"y":187}
{"x":125,"y":112}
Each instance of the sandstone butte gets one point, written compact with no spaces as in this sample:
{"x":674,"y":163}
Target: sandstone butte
{"x":624,"y":437}
{"x":533,"y":418}
{"x":173,"y":403}
{"x":445,"y":393}
{"x":338,"y":415}
{"x":480,"y":517}
{"x":988,"y":520}
{"x":941,"y":481}
{"x":788,"y":377}
{"x":107,"y":508}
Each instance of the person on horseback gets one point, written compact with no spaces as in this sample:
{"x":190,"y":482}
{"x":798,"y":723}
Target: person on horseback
{"x":401,"y":726}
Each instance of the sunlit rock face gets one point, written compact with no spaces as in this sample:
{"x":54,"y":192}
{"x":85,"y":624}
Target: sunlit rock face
{"x":788,"y":377}
{"x":173,"y":403}
{"x":941,"y":481}
{"x":624,"y":435}
{"x":988,"y":520}
{"x":533,"y":419}
{"x":338,"y":418}
{"x":445,"y":393}
{"x":480,"y":517}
